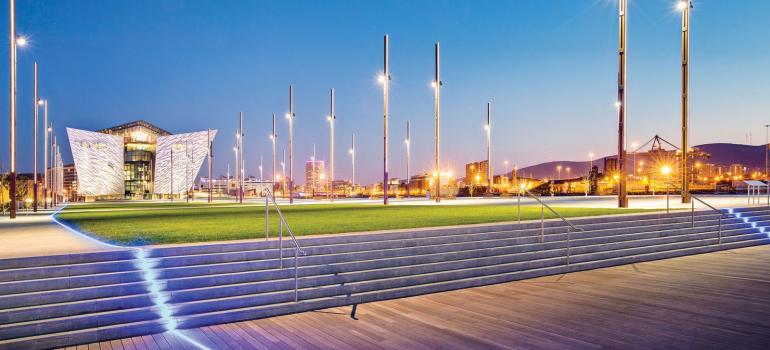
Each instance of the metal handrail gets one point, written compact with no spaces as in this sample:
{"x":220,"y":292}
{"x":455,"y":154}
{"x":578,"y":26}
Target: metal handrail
{"x":721,"y":215}
{"x":297,"y":249}
{"x":542,"y":223}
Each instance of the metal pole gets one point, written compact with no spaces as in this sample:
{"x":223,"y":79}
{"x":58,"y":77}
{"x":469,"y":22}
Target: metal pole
{"x":685,"y":87}
{"x":240,"y":159}
{"x":518,"y":199}
{"x":12,"y":170}
{"x":408,"y":156}
{"x":489,"y":147}
{"x":34,"y":175}
{"x":385,"y":81}
{"x":353,"y":158}
{"x":437,"y":120}
{"x":332,"y":117}
{"x":273,"y":136}
{"x":291,"y":144}
{"x":542,"y":224}
{"x":296,"y":274}
{"x":172,"y":172}
{"x":211,"y":181}
{"x":621,"y":103}
{"x":267,"y":218}
{"x":45,"y":154}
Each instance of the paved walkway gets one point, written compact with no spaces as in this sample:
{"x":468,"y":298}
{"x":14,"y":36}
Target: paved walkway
{"x":709,"y":301}
{"x":36,"y":234}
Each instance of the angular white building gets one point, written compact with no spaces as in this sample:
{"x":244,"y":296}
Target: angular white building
{"x":137,"y":160}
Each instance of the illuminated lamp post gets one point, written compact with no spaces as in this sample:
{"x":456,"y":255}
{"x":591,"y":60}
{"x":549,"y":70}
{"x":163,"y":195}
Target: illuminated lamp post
{"x":685,"y":6}
{"x":621,"y":105}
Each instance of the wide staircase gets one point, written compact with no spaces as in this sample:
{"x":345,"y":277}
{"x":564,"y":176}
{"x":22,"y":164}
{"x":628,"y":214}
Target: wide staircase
{"x":65,"y":300}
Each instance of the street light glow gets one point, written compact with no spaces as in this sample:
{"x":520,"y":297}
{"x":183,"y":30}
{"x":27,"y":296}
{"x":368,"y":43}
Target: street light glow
{"x":681,"y":6}
{"x":381,"y":79}
{"x":21,"y":41}
{"x":665,"y":170}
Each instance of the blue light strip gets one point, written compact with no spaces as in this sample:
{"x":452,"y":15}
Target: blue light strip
{"x":155,"y":288}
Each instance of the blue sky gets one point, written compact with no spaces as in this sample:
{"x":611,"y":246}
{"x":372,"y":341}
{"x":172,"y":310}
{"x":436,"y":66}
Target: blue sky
{"x":549,"y":68}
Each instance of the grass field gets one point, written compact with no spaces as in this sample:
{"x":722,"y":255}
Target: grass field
{"x":160,"y":223}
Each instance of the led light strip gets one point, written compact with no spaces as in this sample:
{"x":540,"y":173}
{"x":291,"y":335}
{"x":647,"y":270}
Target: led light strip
{"x":158,"y":297}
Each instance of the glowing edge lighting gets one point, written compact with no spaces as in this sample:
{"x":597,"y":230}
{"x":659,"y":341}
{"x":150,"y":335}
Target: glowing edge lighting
{"x":746,"y":221}
{"x":158,"y":298}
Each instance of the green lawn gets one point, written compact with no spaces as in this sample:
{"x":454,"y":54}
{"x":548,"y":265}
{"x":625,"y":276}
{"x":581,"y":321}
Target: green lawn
{"x":176,"y":224}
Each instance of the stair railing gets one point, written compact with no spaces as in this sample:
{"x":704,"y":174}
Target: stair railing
{"x":570,"y":226}
{"x":270,"y":197}
{"x":721,"y":214}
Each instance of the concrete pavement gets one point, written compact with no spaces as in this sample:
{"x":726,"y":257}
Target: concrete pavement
{"x":37,"y":234}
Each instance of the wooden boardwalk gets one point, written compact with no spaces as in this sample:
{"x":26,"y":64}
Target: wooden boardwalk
{"x":709,"y":301}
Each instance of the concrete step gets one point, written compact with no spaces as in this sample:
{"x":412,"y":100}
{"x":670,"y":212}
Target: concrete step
{"x":351,"y":298}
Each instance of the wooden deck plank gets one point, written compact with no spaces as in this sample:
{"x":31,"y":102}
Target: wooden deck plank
{"x":708,"y":301}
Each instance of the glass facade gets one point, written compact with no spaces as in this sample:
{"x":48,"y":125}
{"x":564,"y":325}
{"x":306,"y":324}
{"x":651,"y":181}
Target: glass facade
{"x":139,"y":156}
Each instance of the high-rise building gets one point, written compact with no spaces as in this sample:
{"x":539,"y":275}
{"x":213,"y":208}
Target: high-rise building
{"x":315,"y":176}
{"x":476,"y":173}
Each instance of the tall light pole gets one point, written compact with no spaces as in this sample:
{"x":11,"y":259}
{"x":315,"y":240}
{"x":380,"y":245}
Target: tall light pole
{"x":283,"y":174}
{"x":685,"y":6}
{"x":332,"y":117}
{"x":437,"y":120}
{"x":34,"y":174}
{"x":46,"y":130}
{"x":408,"y":142}
{"x":590,"y":162}
{"x":235,"y":170}
{"x":353,"y":161}
{"x":12,"y":171}
{"x":385,"y":80}
{"x":210,"y":149}
{"x":273,"y":136}
{"x":290,"y":116}
{"x":621,"y":104}
{"x":241,"y":172}
{"x":767,"y":145}
{"x":488,"y":128}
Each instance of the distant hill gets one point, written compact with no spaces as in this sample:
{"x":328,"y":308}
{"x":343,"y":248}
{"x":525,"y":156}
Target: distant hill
{"x":722,"y":154}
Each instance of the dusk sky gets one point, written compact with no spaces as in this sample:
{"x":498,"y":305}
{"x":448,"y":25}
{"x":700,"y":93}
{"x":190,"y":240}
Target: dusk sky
{"x":549,"y":68}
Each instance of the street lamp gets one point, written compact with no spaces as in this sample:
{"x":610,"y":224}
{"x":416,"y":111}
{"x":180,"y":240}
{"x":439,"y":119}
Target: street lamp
{"x":488,"y":128}
{"x":290,"y":117}
{"x":437,"y":117}
{"x":621,"y":105}
{"x":46,"y":130}
{"x":15,"y":41}
{"x":273,"y":136}
{"x":353,"y":161}
{"x":408,"y":155}
{"x":331,"y":118}
{"x":385,"y":80}
{"x":684,"y":6}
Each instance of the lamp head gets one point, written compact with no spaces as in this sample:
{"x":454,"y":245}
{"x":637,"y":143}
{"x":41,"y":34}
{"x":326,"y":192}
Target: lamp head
{"x":21,"y":40}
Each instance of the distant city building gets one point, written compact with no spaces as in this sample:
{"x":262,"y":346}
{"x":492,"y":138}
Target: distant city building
{"x":315,"y":176}
{"x":476,"y":173}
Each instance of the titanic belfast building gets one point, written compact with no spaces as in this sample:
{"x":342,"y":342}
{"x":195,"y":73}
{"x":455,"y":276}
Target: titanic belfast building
{"x":137,"y":160}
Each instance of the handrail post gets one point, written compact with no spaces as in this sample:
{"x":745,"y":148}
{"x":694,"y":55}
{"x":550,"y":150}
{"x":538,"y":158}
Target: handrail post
{"x":296,"y":275}
{"x":280,"y":243}
{"x":719,"y":239}
{"x":569,"y":244}
{"x":267,"y":217}
{"x":542,"y":224}
{"x":518,"y":198}
{"x":692,"y":213}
